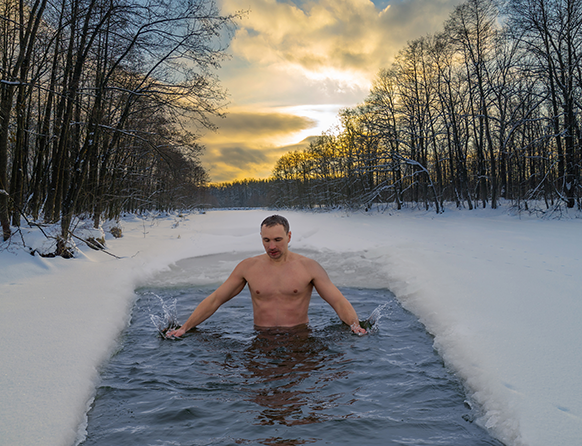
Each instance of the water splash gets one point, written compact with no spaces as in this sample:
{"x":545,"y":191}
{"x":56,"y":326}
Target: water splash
{"x":371,"y":323}
{"x":168,"y":319}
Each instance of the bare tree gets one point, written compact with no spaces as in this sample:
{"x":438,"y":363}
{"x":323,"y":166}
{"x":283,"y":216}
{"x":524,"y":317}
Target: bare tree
{"x":550,"y":31}
{"x":21,"y":24}
{"x":472,"y":28}
{"x":94,"y":96}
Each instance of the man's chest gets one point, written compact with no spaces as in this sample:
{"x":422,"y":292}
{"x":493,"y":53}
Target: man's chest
{"x":279,"y":282}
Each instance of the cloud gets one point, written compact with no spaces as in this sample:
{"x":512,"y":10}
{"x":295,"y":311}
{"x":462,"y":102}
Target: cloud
{"x":236,"y":162}
{"x":262,"y":125}
{"x":248,"y":143}
{"x":346,"y":41}
{"x":300,"y":54}
{"x":242,"y":157}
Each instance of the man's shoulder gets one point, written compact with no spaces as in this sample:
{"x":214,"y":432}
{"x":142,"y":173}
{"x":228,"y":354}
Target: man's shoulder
{"x":301,"y":258}
{"x":249,"y":262}
{"x":246,"y":266}
{"x":308,"y":263}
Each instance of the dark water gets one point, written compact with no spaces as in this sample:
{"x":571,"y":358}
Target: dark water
{"x":227,"y":384}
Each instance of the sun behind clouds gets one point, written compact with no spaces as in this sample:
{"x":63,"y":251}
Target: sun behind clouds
{"x":292,"y":56}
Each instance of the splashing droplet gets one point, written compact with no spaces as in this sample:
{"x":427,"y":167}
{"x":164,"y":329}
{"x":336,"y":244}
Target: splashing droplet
{"x":371,"y":323}
{"x":168,"y":320}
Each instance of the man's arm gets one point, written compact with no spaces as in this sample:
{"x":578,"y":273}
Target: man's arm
{"x":330,"y":293}
{"x":230,"y":288}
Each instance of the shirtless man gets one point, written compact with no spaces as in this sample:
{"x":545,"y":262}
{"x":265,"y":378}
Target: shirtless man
{"x":280,"y":283}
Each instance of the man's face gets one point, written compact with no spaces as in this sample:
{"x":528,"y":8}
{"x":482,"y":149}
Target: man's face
{"x":275,"y":241}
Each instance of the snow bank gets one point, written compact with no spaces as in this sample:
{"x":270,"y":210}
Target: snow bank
{"x":500,"y":294}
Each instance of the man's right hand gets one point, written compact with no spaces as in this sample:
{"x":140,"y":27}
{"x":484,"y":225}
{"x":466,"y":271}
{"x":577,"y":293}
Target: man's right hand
{"x":176,"y":333}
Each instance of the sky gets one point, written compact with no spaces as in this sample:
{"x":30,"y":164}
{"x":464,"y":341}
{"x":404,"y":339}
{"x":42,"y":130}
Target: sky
{"x":293,"y":64}
{"x":499,"y":292}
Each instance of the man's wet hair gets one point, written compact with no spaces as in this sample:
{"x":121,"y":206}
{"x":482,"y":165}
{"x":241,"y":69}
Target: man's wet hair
{"x":274,"y":220}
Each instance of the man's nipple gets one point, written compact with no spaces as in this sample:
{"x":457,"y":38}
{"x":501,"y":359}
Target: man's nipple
{"x":295,"y":291}
{"x":257,"y":292}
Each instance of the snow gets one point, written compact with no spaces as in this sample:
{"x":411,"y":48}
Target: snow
{"x":500,"y":293}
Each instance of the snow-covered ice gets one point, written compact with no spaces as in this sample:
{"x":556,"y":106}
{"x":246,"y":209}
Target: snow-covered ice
{"x":500,"y":293}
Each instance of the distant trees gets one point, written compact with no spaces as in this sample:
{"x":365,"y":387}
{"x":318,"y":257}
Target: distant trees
{"x":488,"y":108}
{"x":239,"y":193}
{"x":550,"y":35}
{"x":93,"y":94}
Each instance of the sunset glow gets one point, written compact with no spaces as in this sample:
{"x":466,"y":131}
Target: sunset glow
{"x":295,"y":63}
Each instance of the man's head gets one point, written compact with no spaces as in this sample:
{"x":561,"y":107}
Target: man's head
{"x":275,"y":235}
{"x":274,"y":220}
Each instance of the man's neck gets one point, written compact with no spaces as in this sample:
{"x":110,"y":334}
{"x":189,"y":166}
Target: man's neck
{"x":279,"y":260}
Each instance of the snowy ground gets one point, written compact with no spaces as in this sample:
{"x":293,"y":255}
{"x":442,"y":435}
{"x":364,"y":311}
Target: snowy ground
{"x":501,"y":294}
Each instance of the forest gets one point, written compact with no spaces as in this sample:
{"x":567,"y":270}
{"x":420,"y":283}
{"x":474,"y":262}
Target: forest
{"x":486,"y":110}
{"x":94,"y":95}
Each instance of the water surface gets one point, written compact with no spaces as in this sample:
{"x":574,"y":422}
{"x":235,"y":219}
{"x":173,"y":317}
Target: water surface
{"x":227,"y":384}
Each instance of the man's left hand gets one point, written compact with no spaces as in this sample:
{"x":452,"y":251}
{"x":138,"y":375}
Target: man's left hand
{"x":357,"y":329}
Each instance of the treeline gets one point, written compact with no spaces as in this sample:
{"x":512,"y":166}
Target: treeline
{"x":247,"y":193}
{"x":489,"y":108}
{"x":93,"y":97}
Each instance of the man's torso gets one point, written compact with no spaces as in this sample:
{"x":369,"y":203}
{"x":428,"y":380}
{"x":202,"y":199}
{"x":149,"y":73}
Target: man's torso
{"x":280,"y":291}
